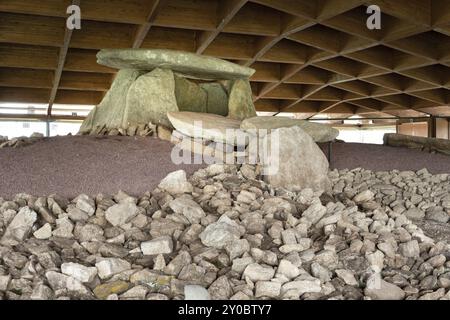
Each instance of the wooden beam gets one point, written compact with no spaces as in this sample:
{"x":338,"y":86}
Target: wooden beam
{"x":170,"y":38}
{"x":252,"y":19}
{"x":227,"y":10}
{"x":42,"y":117}
{"x":79,"y":97}
{"x":142,"y":30}
{"x":26,"y":78}
{"x":24,"y":56}
{"x":301,"y":8}
{"x":414,"y":11}
{"x":84,"y":60}
{"x":61,"y":62}
{"x":188,"y":14}
{"x":85,"y":81}
{"x":24,"y":95}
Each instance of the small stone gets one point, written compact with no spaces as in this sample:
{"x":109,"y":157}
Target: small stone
{"x":19,"y":227}
{"x":410,"y":249}
{"x":297,"y":288}
{"x":195,"y":292}
{"x":59,"y":281}
{"x":268,"y":289}
{"x":246,"y":197}
{"x":159,"y":263}
{"x":437,"y":261}
{"x":161,"y":245}
{"x":363,"y":196}
{"x":237,"y":248}
{"x":414,"y":214}
{"x":135,"y":293}
{"x":85,"y":203}
{"x":76,"y":214}
{"x":220,"y":289}
{"x":220,"y":233}
{"x":188,"y":208}
{"x":174,"y":267}
{"x":347,"y":276}
{"x":302,"y":245}
{"x":77,"y":271}
{"x":116,"y":287}
{"x":44,"y":232}
{"x":176,"y":183}
{"x":438,"y":216}
{"x":379,"y":289}
{"x":256,"y":272}
{"x":313,"y":214}
{"x":121,"y":213}
{"x":287,"y":269}
{"x":89,"y":232}
{"x":64,"y":228}
{"x":4,"y":282}
{"x":320,"y":272}
{"x":41,"y":292}
{"x":107,"y":267}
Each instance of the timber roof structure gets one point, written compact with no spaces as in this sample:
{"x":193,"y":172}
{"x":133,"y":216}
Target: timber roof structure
{"x":311,"y":56}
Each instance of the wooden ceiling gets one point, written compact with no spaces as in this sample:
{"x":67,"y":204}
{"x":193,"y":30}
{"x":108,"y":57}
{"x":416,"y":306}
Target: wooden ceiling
{"x":311,"y":57}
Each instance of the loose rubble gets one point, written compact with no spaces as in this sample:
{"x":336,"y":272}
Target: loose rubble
{"x":224,"y":233}
{"x":20,"y":141}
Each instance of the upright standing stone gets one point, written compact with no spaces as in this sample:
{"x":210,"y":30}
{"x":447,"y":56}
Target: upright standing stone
{"x":189,"y":95}
{"x":217,"y":98}
{"x":150,"y":98}
{"x":111,"y":110}
{"x":240,"y":104}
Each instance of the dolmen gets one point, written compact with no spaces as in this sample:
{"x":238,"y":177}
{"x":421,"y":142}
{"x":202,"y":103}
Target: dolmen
{"x":152,"y":82}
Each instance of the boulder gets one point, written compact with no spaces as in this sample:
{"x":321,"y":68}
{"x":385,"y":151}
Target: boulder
{"x":186,"y":63}
{"x":240,"y":102}
{"x":298,"y":164}
{"x":319,"y":132}
{"x":206,"y":126}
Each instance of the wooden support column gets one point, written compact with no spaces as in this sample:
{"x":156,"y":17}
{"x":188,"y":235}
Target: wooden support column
{"x":432,"y":127}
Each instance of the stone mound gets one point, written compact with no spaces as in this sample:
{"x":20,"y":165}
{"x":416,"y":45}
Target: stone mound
{"x":225,"y":234}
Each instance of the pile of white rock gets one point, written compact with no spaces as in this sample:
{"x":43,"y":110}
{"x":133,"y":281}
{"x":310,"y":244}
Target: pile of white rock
{"x":225,"y":234}
{"x":20,"y":141}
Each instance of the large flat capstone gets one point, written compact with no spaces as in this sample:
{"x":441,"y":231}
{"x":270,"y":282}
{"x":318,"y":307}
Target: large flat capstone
{"x":319,"y":132}
{"x":186,"y":63}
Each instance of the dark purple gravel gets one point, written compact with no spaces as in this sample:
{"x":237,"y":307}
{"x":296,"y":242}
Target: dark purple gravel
{"x":384,"y":158}
{"x":69,"y":166}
